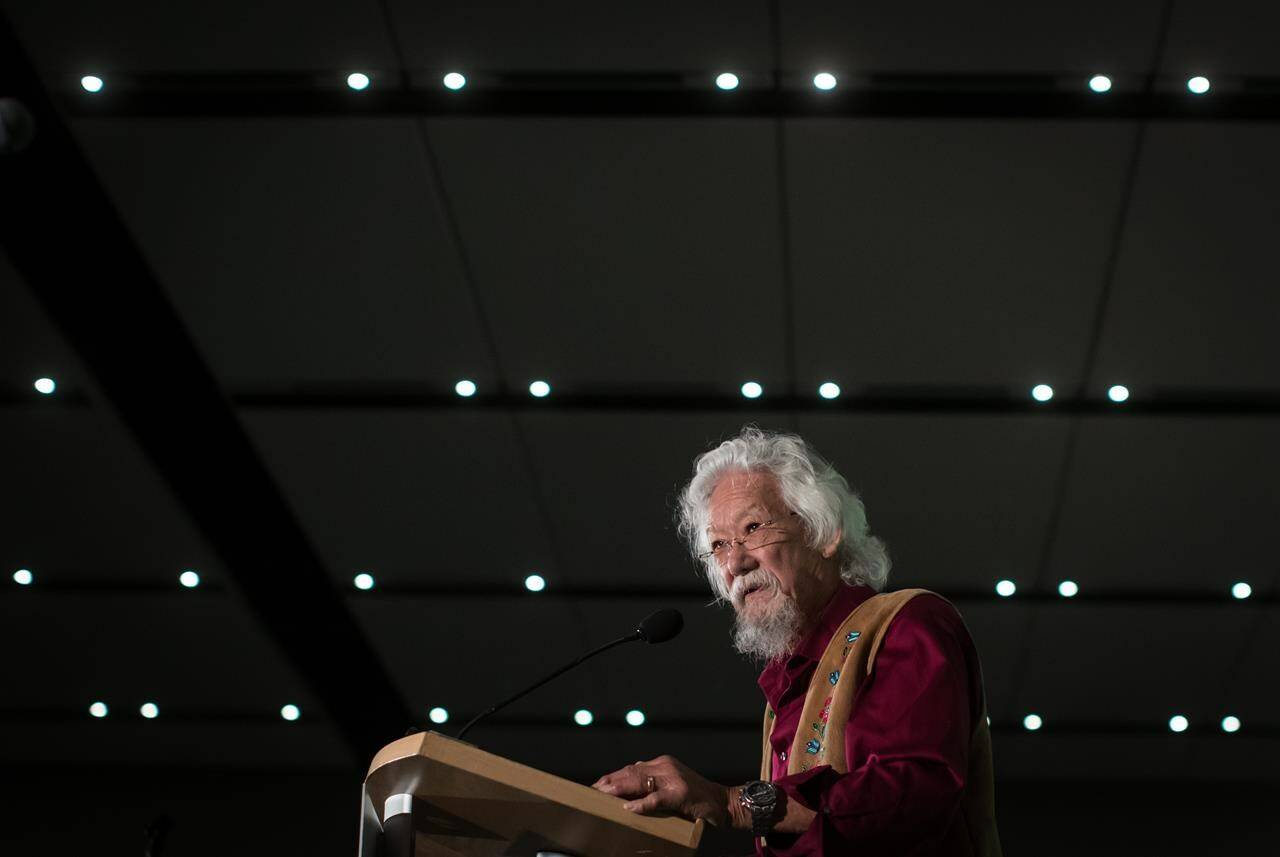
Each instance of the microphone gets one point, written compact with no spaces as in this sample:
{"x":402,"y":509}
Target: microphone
{"x":660,"y":626}
{"x":657,"y":627}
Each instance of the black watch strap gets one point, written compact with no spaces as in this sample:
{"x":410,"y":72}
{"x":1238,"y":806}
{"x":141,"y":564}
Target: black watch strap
{"x":761,"y":800}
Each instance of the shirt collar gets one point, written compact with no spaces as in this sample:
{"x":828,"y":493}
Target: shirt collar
{"x":782,"y":671}
{"x":842,"y":603}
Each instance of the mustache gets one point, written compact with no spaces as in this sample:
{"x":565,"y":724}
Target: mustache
{"x":758,"y":579}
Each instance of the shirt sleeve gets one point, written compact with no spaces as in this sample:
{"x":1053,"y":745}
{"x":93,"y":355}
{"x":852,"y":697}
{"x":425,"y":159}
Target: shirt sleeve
{"x":906,"y":745}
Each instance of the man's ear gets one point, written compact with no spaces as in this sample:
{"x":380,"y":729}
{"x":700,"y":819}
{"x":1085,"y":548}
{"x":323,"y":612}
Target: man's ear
{"x":830,"y":548}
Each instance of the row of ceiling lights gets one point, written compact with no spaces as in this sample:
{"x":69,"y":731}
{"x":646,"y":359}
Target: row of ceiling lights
{"x":537,"y":583}
{"x":726,"y":80}
{"x":635,"y":717}
{"x":1070,"y":589}
{"x":150,"y":711}
{"x":827,"y":390}
{"x":582,"y":717}
{"x":749,"y":389}
{"x":1177,"y":723}
{"x":438,"y":715}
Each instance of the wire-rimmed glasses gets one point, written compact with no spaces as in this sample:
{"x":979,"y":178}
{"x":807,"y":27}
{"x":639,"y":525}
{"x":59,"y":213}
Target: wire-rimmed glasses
{"x":757,"y":536}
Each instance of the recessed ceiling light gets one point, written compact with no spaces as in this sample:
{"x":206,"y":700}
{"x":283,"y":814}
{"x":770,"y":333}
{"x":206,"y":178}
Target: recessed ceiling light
{"x":98,"y":709}
{"x":1032,"y":722}
{"x":438,"y":715}
{"x":1178,"y":723}
{"x":540,"y":389}
{"x":91,"y":83}
{"x":727,"y":80}
{"x":829,"y":390}
{"x":23,"y":577}
{"x":1241,"y":590}
{"x":465,"y":388}
{"x":635,"y":717}
{"x":189,"y":579}
{"x":1100,"y":83}
{"x":535,"y":583}
{"x":1230,"y":723}
{"x":45,"y":386}
{"x":1118,"y":393}
{"x":1005,"y":588}
{"x":358,"y":80}
{"x":1068,"y":589}
{"x":455,"y":80}
{"x":1042,"y":392}
{"x":752,"y":390}
{"x":290,"y":712}
{"x":149,"y":710}
{"x":363,"y":580}
{"x":583,"y":717}
{"x":1199,"y":85}
{"x":824,"y":80}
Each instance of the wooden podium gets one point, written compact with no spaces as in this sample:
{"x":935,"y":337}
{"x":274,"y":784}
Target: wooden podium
{"x":428,"y":795}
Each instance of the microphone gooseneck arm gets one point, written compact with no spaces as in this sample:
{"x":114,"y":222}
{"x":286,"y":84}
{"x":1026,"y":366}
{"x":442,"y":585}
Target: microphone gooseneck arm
{"x":632,"y":637}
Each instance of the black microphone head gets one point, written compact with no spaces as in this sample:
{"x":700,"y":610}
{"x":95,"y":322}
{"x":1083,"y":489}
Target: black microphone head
{"x":660,"y":626}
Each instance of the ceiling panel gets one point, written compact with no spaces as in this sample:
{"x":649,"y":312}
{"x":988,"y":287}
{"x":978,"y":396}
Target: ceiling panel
{"x":1161,"y":755}
{"x":1195,"y":303}
{"x":1232,"y":37}
{"x":30,"y":346}
{"x":1109,"y":663}
{"x":190,"y":652}
{"x":159,"y":744}
{"x":510,"y":641}
{"x":295,"y":251}
{"x":1165,"y":504}
{"x":1249,"y":678}
{"x":612,"y":486}
{"x":68,"y":38}
{"x":933,"y":253}
{"x":413,"y":498}
{"x":623,"y":253}
{"x":939,"y":37}
{"x":998,"y":632}
{"x":91,"y":508}
{"x":961,"y":501}
{"x":579,"y":35}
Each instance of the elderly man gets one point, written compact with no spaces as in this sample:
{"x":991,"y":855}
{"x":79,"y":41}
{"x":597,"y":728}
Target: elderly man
{"x":875,"y":732}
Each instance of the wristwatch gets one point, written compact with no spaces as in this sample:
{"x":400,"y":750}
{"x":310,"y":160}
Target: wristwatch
{"x":760,"y":799}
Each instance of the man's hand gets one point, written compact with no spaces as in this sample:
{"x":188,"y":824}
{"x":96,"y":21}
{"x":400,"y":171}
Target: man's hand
{"x":667,"y":786}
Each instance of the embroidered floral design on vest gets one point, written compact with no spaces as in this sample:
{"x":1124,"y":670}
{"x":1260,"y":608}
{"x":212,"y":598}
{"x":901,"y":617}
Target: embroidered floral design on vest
{"x":834,"y":677}
{"x":825,"y":714}
{"x":853,"y":635}
{"x":813,"y":746}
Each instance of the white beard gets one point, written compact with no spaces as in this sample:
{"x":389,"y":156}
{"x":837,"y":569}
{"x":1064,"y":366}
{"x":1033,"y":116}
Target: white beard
{"x":770,"y":634}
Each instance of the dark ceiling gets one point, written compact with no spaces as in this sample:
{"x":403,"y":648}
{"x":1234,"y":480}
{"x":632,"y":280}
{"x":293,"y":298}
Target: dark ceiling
{"x":256,"y":313}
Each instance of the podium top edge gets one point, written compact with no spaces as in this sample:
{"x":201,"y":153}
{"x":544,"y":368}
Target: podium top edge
{"x":459,"y":754}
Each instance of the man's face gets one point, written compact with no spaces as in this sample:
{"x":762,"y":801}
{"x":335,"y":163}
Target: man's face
{"x":743,"y":501}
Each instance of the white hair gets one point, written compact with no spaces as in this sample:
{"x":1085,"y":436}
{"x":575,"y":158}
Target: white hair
{"x":810,"y":486}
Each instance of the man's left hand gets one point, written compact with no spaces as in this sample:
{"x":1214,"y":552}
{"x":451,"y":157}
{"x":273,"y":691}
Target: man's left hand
{"x":665,"y":785}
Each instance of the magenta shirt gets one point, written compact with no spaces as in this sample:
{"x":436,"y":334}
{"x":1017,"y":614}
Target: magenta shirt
{"x":906,"y":744}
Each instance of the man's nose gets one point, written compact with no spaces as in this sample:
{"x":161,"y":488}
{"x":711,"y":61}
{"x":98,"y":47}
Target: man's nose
{"x":739,"y":560}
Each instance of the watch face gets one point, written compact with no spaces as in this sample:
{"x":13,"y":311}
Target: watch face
{"x":760,"y":792}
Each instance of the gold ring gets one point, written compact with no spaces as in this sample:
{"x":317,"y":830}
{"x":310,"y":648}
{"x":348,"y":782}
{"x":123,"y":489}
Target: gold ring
{"x":649,"y":785}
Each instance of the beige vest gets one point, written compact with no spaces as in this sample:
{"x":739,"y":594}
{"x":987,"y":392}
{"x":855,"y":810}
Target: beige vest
{"x":844,"y":666}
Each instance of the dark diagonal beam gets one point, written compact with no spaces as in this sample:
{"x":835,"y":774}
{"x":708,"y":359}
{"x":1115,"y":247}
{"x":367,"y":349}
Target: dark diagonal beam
{"x":69,"y":243}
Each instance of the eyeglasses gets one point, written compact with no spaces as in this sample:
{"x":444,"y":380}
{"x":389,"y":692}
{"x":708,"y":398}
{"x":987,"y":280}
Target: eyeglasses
{"x":757,"y":536}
